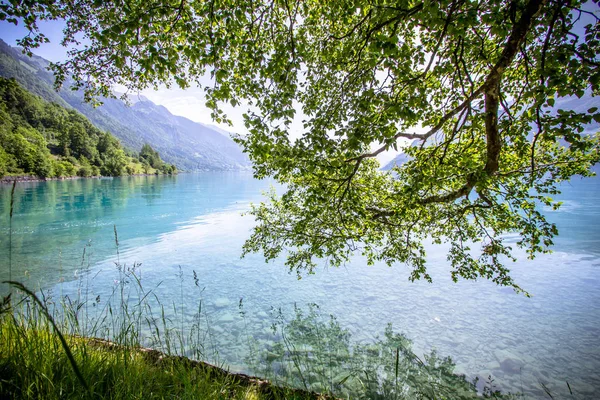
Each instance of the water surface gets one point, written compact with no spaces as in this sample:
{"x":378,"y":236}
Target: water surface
{"x":176,"y":225}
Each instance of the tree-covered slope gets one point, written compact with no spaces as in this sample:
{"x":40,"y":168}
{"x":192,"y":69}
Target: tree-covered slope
{"x":48,"y":140}
{"x":29,"y":74}
{"x":189,"y":145}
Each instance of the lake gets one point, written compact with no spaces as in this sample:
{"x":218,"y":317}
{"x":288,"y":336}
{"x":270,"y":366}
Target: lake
{"x":63,"y":239}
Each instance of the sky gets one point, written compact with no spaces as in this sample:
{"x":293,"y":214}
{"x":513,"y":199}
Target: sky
{"x":188,"y":103}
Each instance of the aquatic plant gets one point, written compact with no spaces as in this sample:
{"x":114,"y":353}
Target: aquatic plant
{"x":315,"y":352}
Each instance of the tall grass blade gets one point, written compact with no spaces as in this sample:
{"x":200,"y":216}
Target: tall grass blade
{"x":546,"y":390}
{"x":10,"y":230}
{"x":117,"y":244}
{"x":397,"y":362}
{"x":63,"y":342}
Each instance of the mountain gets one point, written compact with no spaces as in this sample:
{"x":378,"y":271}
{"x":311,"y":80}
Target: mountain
{"x":396,"y":161}
{"x":400,"y":158}
{"x":180,"y":141}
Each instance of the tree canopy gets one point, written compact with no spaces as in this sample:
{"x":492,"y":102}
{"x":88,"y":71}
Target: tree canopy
{"x":478,"y":83}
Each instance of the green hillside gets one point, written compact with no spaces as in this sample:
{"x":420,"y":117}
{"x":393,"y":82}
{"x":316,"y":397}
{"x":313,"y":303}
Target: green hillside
{"x":189,"y":145}
{"x":47,"y":140}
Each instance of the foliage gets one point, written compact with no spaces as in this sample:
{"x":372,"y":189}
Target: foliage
{"x":84,"y":171}
{"x":148,"y":154}
{"x":63,"y":168}
{"x":484,"y":80}
{"x":151,"y":159}
{"x":114,"y":162}
{"x":30,"y":128}
{"x":314,"y":352}
{"x":4,"y":160}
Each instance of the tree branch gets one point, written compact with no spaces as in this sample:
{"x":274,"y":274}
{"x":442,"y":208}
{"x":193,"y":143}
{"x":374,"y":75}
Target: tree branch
{"x":492,"y":96}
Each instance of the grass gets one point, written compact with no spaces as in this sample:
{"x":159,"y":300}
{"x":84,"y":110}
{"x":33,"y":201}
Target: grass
{"x":48,"y":351}
{"x":38,"y":362}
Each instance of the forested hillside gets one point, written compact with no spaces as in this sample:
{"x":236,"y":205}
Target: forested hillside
{"x":180,"y":141}
{"x":47,"y":140}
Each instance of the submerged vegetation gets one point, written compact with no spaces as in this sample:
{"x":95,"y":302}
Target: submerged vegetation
{"x":315,"y":352}
{"x":50,"y":141}
{"x":85,"y":346}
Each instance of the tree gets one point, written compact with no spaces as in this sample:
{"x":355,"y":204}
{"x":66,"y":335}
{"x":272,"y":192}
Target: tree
{"x":4,"y":161}
{"x":115,"y":162}
{"x":485,"y":79}
{"x":151,"y":156}
{"x":28,"y":124}
{"x":146,"y":167}
{"x":29,"y":149}
{"x":82,"y":144}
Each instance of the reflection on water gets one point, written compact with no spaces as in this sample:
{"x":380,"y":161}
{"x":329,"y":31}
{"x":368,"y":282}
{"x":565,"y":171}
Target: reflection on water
{"x":193,"y":223}
{"x":53,"y":221}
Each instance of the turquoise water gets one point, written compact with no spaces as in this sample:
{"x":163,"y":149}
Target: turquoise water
{"x":192,"y":222}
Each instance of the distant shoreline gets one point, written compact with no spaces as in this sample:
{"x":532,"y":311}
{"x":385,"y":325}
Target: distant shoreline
{"x":33,"y":178}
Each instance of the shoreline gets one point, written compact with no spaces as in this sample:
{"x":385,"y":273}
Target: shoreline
{"x":33,"y":178}
{"x":156,"y":357}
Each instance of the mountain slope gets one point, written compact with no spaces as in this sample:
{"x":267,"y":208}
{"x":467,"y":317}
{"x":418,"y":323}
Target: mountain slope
{"x":47,"y":140}
{"x":400,"y":158}
{"x":180,"y":141}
